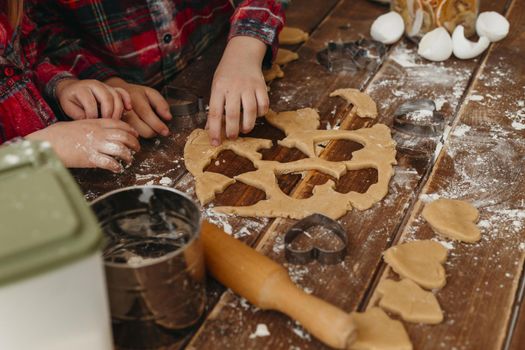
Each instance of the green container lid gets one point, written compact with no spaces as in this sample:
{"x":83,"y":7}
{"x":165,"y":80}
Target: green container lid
{"x":45,"y":222}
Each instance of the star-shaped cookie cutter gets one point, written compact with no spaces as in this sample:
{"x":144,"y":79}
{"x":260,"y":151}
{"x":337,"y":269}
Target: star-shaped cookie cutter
{"x":324,"y":256}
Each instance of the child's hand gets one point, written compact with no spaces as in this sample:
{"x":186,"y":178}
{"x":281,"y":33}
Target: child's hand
{"x":80,"y":99}
{"x":238,"y":83}
{"x":91,"y":143}
{"x":148,"y":105}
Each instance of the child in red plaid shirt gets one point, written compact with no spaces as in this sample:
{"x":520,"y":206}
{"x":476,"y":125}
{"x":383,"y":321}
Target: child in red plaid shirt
{"x":25,"y":77}
{"x":132,"y":43}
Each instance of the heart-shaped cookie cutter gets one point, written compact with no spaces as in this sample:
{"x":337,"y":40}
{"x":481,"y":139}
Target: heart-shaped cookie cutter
{"x":324,"y":256}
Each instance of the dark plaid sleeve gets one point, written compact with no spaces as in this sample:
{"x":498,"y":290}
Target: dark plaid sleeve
{"x":261,"y":19}
{"x":62,"y":46}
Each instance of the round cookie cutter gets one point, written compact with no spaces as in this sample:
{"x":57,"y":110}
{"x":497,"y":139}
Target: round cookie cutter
{"x":187,"y":109}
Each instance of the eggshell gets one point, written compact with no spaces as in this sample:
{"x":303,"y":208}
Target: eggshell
{"x":388,"y":28}
{"x":492,"y":25}
{"x":465,"y":49}
{"x":436,"y":45}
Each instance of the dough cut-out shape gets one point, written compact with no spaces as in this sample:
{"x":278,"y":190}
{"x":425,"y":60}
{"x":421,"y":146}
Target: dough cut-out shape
{"x":377,"y":331}
{"x":453,"y":219}
{"x":285,"y":56}
{"x":291,"y":36}
{"x":200,"y":154}
{"x":420,"y":261}
{"x":364,"y":106}
{"x":273,"y":73}
{"x":410,"y":301}
{"x":300,"y":128}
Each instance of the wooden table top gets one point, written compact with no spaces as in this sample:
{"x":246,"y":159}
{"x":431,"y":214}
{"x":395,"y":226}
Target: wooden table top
{"x":479,"y":158}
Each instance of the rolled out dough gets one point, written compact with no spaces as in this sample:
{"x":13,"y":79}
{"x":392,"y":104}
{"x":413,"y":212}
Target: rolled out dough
{"x":285,"y":56}
{"x":420,"y":261}
{"x":377,"y":331}
{"x":274,"y":72}
{"x":453,"y":219}
{"x":407,"y":299}
{"x":291,"y":36}
{"x":364,"y":106}
{"x":300,"y":128}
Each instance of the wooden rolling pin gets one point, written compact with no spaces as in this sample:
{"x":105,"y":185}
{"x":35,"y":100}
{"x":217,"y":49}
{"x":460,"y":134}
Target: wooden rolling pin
{"x":267,"y":285}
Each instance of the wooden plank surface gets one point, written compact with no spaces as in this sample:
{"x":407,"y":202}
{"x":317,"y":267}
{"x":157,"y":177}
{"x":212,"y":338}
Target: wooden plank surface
{"x":483,"y":163}
{"x":161,"y":160}
{"x":403,"y":76}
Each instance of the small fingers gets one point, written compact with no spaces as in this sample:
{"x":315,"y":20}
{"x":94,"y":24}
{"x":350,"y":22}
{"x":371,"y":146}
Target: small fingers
{"x":123,"y":137}
{"x":126,"y":98}
{"x":73,"y":110}
{"x":118,"y":105}
{"x":263,"y":102}
{"x":233,"y":113}
{"x":159,"y":103}
{"x":105,"y":99}
{"x":139,"y":125}
{"x":116,"y":149}
{"x":118,"y":124}
{"x":88,"y":102}
{"x":143,"y":109}
{"x":99,"y":160}
{"x":249,"y":114}
{"x":215,"y":115}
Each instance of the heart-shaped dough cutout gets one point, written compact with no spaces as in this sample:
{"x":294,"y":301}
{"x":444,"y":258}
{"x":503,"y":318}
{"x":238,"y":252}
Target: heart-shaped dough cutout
{"x":420,"y":261}
{"x":410,"y":301}
{"x":453,"y":219}
{"x":375,"y":330}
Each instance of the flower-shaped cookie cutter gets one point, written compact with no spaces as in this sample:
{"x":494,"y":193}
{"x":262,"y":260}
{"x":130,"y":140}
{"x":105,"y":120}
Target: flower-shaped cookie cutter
{"x":322,"y":255}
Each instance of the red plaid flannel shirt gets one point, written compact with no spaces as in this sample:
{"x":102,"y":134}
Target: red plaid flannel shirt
{"x":146,"y":42}
{"x":24,"y":78}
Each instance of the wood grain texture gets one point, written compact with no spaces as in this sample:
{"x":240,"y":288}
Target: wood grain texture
{"x":482,"y":162}
{"x":491,"y":149}
{"x":370,"y":231}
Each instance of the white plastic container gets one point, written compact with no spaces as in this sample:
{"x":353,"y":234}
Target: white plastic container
{"x":52,"y":287}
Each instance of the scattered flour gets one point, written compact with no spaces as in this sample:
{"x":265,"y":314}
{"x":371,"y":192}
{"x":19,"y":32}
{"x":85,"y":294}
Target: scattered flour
{"x":447,"y":244}
{"x":476,"y":98}
{"x":518,"y":126}
{"x":219,"y":219}
{"x":461,"y":130}
{"x":426,"y":198}
{"x":260,"y":331}
{"x":300,"y":332}
{"x":166,"y":181}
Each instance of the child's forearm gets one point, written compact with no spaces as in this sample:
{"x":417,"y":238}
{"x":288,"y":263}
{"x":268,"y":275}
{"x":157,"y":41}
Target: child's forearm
{"x":245,"y":50}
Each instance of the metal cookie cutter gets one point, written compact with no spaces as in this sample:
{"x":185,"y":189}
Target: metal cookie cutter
{"x":186,"y":108}
{"x":352,"y":56}
{"x":324,"y":256}
{"x":419,"y":118}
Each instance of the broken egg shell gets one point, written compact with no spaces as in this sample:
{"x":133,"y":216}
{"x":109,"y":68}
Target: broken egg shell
{"x":492,"y":25}
{"x":464,"y":48}
{"x":436,"y":45}
{"x":388,"y":28}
